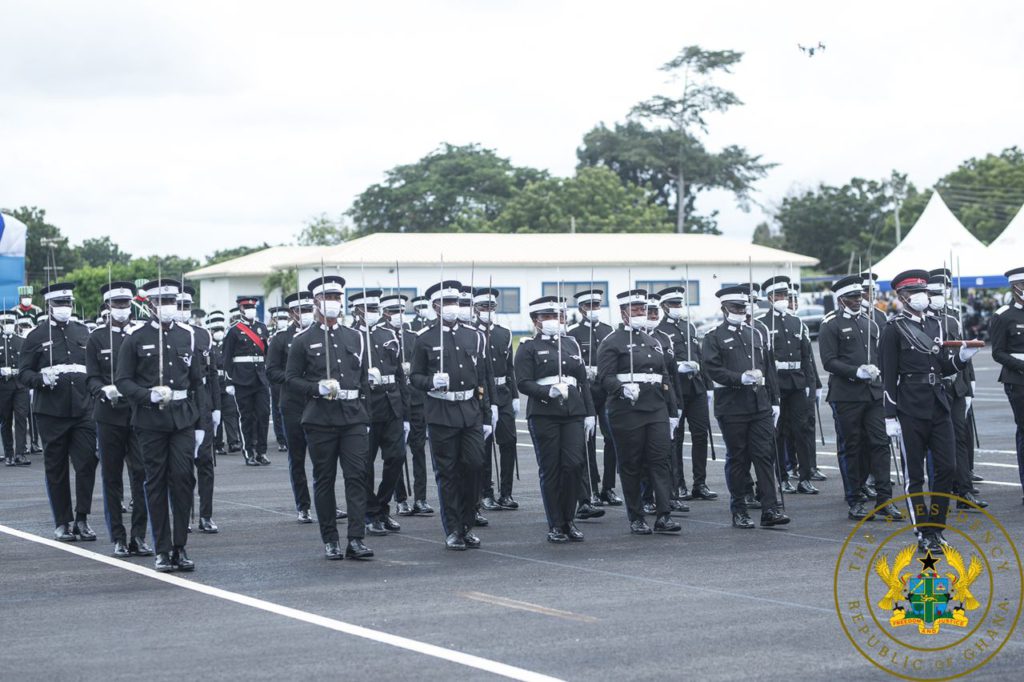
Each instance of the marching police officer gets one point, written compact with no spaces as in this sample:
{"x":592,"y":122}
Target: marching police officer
{"x":693,"y":390}
{"x":917,"y":406}
{"x":13,"y":396}
{"x":848,"y":344}
{"x":52,"y":364}
{"x":1006,"y":330}
{"x":449,"y":363}
{"x":158,"y":371}
{"x":229,"y":434}
{"x":417,"y":439}
{"x":505,"y":397}
{"x":280,"y":321}
{"x":25,"y":307}
{"x":589,"y":333}
{"x":245,"y":350}
{"x":738,"y":361}
{"x":550,"y":372}
{"x":641,"y":405}
{"x":300,"y":306}
{"x":327,"y":364}
{"x":421,"y":306}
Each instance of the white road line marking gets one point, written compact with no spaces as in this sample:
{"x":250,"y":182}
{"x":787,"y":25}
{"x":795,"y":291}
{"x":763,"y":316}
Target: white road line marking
{"x":527,"y":606}
{"x":413,"y":645}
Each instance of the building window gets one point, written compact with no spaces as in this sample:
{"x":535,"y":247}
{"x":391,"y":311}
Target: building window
{"x":389,"y":291}
{"x":508,"y":300}
{"x":570,"y":288}
{"x":653,"y":286}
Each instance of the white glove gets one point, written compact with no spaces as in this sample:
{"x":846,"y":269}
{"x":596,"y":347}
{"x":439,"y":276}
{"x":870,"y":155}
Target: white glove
{"x":494,"y":417}
{"x":968,"y":400}
{"x":892,"y":427}
{"x":487,"y":431}
{"x":405,"y":432}
{"x":711,"y":401}
{"x":776,"y":411}
{"x":591,"y":373}
{"x":200,"y":436}
{"x":328,"y":388}
{"x":230,"y":390}
{"x":673,"y":424}
{"x":974,"y":387}
{"x":966,"y":352}
{"x":559,"y":391}
{"x":589,"y":425}
{"x":49,"y":377}
{"x":405,"y":368}
{"x":864,"y":372}
{"x":817,"y":396}
{"x":5,"y":371}
{"x":441,"y":381}
{"x":216,"y":420}
{"x":807,"y":391}
{"x":160,"y":394}
{"x":515,"y":406}
{"x":689,"y":367}
{"x":373,"y":376}
{"x":631,"y":392}
{"x":752,"y":377}
{"x":111,"y":393}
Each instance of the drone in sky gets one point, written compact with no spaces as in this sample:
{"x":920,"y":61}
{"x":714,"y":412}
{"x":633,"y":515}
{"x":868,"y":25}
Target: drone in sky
{"x":809,"y":51}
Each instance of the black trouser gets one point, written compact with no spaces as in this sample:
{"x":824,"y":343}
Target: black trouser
{"x":292,"y":415}
{"x":230,"y":426}
{"x":812,"y":425}
{"x":607,"y":481}
{"x":863,"y":448}
{"x":749,"y":439}
{"x":794,"y":422}
{"x":506,"y":439}
{"x":417,"y":446}
{"x":457,"y":453}
{"x":559,"y":445}
{"x":204,"y":467}
{"x":34,"y":441}
{"x":962,"y":482}
{"x":931,"y":443}
{"x":643,"y":451}
{"x":275,"y":414}
{"x":13,"y":417}
{"x":328,"y":447}
{"x":68,"y":439}
{"x":695,"y":415}
{"x":388,"y":437}
{"x":167,"y":458}
{"x":1015,"y":393}
{"x":118,"y":447}
{"x":254,"y":409}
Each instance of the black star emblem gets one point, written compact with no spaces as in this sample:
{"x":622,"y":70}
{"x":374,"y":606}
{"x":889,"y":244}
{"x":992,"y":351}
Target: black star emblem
{"x":928,"y":561}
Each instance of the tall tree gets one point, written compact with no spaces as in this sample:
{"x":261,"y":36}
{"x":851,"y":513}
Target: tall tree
{"x":322,"y":231}
{"x":452,"y":189}
{"x":100,"y":251}
{"x":985,"y":193}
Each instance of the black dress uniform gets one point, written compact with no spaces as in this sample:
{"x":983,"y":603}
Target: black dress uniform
{"x":588,"y":334}
{"x":693,"y":391}
{"x":279,"y":322}
{"x":245,"y":350}
{"x":913,"y":363}
{"x":505,"y":396}
{"x":166,"y":428}
{"x":792,"y":354}
{"x":337,"y":422}
{"x":639,"y":423}
{"x":52,"y":364}
{"x":417,"y":440}
{"x":13,"y":396}
{"x":744,"y":410}
{"x":848,"y":344}
{"x":1006,"y":331}
{"x":228,"y":438}
{"x":556,"y":423}
{"x":118,"y":444}
{"x":457,"y":414}
{"x":292,"y":404}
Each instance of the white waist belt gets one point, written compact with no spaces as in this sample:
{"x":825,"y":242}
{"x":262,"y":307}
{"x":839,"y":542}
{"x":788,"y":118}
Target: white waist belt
{"x":1018,"y":356}
{"x":179,"y":395}
{"x":221,"y":373}
{"x":68,"y":369}
{"x":500,"y":381}
{"x":248,"y":358}
{"x":451,"y":396}
{"x":788,"y":365}
{"x":638,"y":378}
{"x":387,"y":379}
{"x":344,"y":394}
{"x":552,"y":380}
{"x":14,"y":370}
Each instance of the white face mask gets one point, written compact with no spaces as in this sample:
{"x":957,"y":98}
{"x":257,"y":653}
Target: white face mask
{"x":282,"y":325}
{"x":918,"y":301}
{"x":8,"y":329}
{"x":430,"y":314}
{"x":674,"y":313}
{"x":593,"y":315}
{"x":218,"y":336}
{"x":550,"y":327}
{"x":371,"y":317}
{"x":305,"y":319}
{"x":652,"y":324}
{"x":167,"y":313}
{"x":937,"y":302}
{"x":250,"y":313}
{"x":638,"y":322}
{"x":485,"y":316}
{"x":736,"y":318}
{"x":395,"y":321}
{"x":27,"y":301}
{"x":183,"y":316}
{"x":330,"y":309}
{"x":61,"y":313}
{"x":120,"y":314}
{"x":449,"y":313}
{"x":465,"y":313}
{"x":782,"y":306}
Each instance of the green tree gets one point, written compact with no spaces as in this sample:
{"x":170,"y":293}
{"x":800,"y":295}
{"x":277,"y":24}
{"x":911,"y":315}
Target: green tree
{"x":985,"y":193}
{"x":88,"y":279}
{"x":100,"y":251}
{"x":222,"y":255}
{"x":36,"y":255}
{"x":452,"y":189}
{"x":286,"y":280}
{"x":764,"y":235}
{"x":594,"y":201}
{"x":322,"y":231}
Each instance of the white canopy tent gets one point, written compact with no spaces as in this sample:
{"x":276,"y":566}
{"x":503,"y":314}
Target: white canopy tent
{"x":1007,"y":251}
{"x":936,"y":239}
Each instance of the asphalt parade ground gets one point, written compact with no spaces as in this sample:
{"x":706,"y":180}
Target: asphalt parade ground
{"x":712,"y":603}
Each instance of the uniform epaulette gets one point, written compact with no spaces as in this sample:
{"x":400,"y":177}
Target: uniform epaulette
{"x":524,"y":339}
{"x":134,"y":327}
{"x":830,"y":315}
{"x":572,"y":326}
{"x":421,"y":330}
{"x":1002,"y":310}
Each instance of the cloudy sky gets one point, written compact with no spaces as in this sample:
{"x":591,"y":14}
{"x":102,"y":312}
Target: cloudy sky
{"x":191,"y":126}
